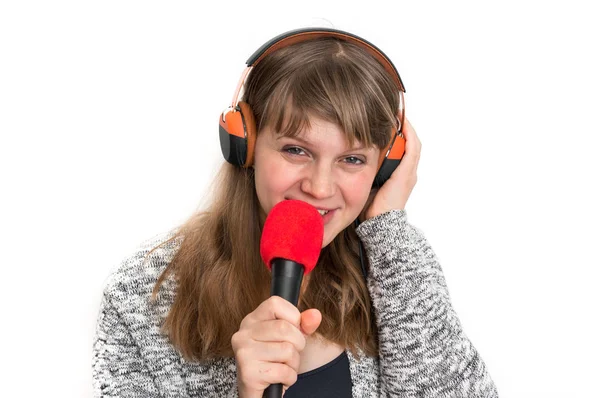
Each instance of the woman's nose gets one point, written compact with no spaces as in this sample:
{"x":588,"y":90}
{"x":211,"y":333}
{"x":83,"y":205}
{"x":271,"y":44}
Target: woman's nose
{"x":319,"y":182}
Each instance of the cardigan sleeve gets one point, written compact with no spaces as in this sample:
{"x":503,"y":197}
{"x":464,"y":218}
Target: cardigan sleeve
{"x":233,"y":391}
{"x":423,"y":351}
{"x":117,"y":366}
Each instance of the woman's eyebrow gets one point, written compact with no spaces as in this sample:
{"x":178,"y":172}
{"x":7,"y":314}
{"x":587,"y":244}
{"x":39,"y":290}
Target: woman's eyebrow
{"x":310,"y":144}
{"x":297,"y":137}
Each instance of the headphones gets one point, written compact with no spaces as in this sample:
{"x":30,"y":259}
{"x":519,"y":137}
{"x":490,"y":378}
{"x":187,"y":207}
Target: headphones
{"x":237,"y":125}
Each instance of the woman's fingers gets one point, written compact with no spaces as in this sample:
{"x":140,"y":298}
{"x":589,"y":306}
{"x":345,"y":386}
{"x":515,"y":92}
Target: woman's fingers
{"x":412,"y":154}
{"x":274,"y":307}
{"x":395,"y":192}
{"x":279,"y":331}
{"x":277,"y":352}
{"x":268,"y":344}
{"x":260,"y":375}
{"x":310,"y":321}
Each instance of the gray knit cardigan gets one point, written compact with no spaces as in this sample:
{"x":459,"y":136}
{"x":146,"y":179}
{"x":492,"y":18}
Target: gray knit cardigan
{"x":423,"y":351}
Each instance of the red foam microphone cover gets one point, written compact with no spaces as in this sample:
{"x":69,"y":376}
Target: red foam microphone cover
{"x":293,"y":231}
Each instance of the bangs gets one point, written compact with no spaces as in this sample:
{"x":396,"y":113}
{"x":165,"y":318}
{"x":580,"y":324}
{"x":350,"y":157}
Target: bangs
{"x":337,"y":91}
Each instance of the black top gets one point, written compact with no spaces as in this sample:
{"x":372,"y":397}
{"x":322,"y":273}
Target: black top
{"x":331,"y":380}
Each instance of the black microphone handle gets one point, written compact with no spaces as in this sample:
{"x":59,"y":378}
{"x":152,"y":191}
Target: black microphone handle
{"x":286,"y":279}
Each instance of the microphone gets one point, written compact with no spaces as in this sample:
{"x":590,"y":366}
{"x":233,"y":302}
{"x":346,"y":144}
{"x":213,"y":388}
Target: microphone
{"x":290,"y":246}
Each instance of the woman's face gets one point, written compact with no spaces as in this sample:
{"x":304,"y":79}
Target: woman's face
{"x":317,"y":167}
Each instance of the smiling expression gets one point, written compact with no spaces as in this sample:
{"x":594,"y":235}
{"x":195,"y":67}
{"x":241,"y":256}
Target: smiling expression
{"x":318,"y":167}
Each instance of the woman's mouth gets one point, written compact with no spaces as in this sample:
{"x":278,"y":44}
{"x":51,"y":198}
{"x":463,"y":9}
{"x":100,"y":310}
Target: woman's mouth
{"x":326,"y":215}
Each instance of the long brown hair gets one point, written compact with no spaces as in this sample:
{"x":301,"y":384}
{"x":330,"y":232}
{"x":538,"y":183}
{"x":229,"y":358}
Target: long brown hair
{"x":219,"y":272}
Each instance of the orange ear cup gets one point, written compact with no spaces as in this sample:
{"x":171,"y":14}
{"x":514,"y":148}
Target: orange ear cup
{"x":394,"y":151}
{"x":250,"y":125}
{"x":237,"y":132}
{"x":397,"y":151}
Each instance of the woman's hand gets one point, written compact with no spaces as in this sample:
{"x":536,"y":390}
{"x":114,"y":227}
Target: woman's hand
{"x":268,"y":344}
{"x":395,"y":192}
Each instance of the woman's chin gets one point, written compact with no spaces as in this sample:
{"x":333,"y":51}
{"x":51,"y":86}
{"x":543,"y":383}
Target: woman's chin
{"x":326,"y":241}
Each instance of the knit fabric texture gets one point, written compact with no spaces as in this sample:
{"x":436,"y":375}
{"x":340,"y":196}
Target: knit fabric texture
{"x":423,"y":351}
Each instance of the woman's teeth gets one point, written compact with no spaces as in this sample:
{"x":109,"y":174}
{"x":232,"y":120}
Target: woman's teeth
{"x":323,"y":212}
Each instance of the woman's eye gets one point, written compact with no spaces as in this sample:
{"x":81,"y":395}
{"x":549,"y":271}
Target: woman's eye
{"x":294,"y":150}
{"x":353,"y":160}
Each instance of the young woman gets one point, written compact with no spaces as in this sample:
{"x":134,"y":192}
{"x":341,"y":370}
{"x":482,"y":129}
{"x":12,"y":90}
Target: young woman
{"x":321,"y":120}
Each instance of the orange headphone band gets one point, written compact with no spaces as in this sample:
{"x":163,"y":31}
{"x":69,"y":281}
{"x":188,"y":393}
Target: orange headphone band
{"x":237,"y":126}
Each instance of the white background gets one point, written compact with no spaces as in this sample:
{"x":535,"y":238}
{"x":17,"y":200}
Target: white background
{"x":108,"y":121}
